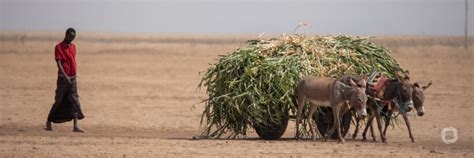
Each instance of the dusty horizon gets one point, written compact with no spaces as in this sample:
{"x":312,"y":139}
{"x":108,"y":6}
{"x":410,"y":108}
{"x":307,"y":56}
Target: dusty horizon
{"x":363,"y":17}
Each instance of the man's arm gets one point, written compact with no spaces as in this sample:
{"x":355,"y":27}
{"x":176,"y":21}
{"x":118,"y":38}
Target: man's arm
{"x":60,"y":66}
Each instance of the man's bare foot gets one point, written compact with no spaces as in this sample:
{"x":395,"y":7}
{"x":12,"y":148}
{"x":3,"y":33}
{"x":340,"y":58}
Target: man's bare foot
{"x":77,"y":130}
{"x":48,"y":127}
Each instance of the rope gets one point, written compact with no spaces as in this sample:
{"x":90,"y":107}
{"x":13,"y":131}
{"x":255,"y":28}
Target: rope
{"x":399,"y":101}
{"x":380,"y":107}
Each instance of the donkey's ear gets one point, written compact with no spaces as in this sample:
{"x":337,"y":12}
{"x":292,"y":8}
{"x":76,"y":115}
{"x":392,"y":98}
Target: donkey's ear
{"x":427,"y":86}
{"x":353,"y":84}
{"x":406,"y":75}
{"x":416,"y":85}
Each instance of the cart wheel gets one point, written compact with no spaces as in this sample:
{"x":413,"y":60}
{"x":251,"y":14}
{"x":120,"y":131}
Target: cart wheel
{"x":273,"y":131}
{"x":324,"y":120}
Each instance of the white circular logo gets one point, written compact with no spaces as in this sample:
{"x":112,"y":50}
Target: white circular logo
{"x":452,"y":140}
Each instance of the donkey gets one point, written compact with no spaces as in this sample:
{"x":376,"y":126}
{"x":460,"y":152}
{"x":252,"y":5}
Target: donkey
{"x":323,"y":91}
{"x":400,"y":90}
{"x":418,"y":100}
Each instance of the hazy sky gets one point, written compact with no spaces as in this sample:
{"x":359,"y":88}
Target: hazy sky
{"x":367,"y":17}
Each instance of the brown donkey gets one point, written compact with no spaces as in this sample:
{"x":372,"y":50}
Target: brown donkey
{"x":398,"y":90}
{"x":418,"y":100}
{"x":324,"y":91}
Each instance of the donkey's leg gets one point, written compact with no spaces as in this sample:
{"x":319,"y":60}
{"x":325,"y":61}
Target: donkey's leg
{"x":301,"y":103}
{"x":331,"y":130}
{"x":405,"y":117}
{"x":379,"y":125}
{"x":358,"y":124}
{"x":372,"y":133}
{"x":338,"y":127}
{"x":336,"y":122}
{"x":367,"y":126}
{"x":311,"y":125}
{"x":344,"y":109}
{"x":356,"y":129}
{"x":387,"y":121}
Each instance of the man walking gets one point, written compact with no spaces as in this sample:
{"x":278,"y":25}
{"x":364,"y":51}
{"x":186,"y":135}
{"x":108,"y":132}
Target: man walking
{"x":66,"y":105}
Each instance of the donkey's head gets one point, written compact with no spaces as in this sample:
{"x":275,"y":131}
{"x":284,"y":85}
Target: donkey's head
{"x":358,"y":99}
{"x":419,"y":98}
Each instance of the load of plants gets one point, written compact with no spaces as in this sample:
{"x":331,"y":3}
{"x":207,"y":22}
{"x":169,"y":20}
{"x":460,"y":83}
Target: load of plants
{"x":254,"y":85}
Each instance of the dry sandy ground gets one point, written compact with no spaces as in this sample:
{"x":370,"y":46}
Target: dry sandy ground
{"x":138,"y":99}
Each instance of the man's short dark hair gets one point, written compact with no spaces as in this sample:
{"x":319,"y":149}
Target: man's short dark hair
{"x":70,"y":30}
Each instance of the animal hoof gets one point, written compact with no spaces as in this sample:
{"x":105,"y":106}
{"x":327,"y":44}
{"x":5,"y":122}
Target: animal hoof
{"x":78,"y":130}
{"x":341,"y":141}
{"x":412,"y":140}
{"x":48,"y":128}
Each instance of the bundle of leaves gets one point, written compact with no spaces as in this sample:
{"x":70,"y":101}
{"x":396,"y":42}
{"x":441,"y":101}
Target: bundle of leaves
{"x":255,"y":84}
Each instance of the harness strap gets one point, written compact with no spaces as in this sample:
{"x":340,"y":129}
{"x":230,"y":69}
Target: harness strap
{"x":398,"y":98}
{"x":389,"y":104}
{"x":380,"y":107}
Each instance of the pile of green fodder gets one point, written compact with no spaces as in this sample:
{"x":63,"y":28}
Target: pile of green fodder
{"x":255,"y":84}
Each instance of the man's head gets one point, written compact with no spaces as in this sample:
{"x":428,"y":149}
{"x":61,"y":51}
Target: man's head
{"x":70,"y":35}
